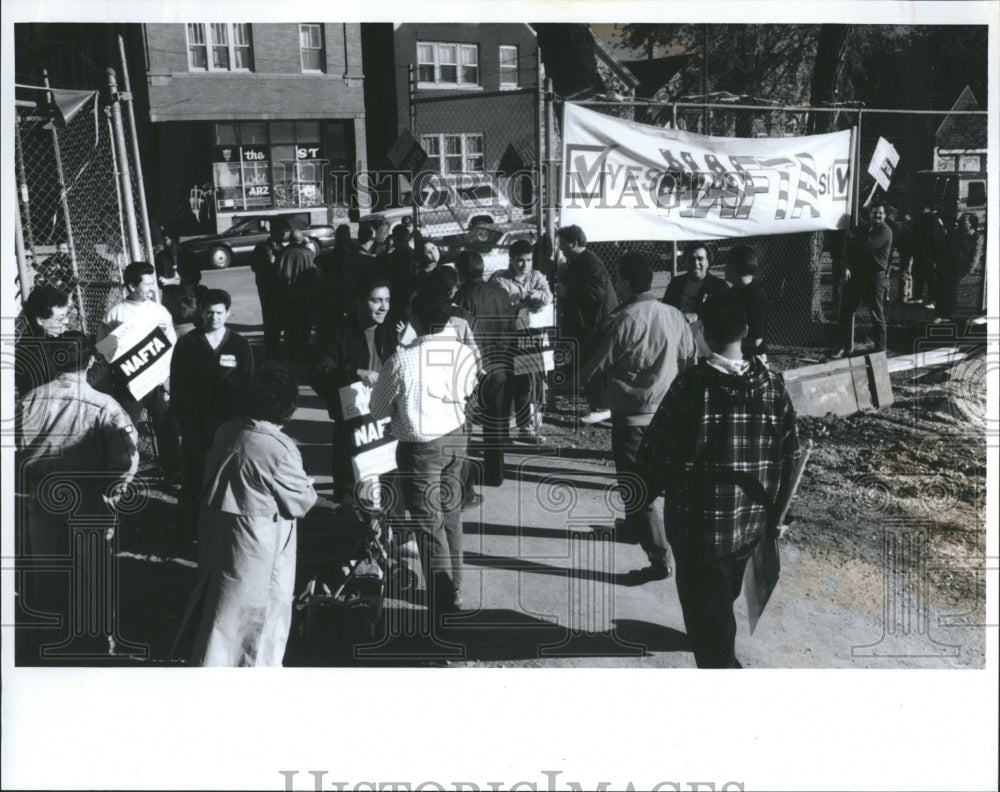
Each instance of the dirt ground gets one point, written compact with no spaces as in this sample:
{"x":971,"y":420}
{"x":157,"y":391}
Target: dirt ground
{"x":919,"y":463}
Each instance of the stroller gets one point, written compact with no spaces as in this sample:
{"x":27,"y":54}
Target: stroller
{"x":345,"y":574}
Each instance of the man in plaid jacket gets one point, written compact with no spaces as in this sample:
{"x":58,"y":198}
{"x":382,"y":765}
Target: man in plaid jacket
{"x":721,"y":448}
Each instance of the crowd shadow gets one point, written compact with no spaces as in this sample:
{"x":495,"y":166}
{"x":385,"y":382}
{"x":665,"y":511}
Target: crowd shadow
{"x":488,"y":635}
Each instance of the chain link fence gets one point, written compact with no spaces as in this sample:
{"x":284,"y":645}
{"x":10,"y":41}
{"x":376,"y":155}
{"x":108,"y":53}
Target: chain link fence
{"x":483,"y":148}
{"x":71,"y":207}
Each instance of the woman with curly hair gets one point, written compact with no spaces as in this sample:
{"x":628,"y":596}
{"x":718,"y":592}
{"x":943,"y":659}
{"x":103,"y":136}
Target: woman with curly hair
{"x":254,"y":489}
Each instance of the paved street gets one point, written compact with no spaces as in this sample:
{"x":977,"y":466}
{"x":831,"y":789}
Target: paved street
{"x":546,"y":584}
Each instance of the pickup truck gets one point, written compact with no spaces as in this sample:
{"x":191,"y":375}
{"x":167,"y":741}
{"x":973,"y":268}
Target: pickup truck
{"x":444,"y":207}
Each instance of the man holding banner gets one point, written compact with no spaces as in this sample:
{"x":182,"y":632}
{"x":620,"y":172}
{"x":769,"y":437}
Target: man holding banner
{"x":138,"y":340}
{"x":866,"y":279}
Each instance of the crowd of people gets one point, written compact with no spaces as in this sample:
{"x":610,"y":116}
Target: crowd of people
{"x":696,"y":414}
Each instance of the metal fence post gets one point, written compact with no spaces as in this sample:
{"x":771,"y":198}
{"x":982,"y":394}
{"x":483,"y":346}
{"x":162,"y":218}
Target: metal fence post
{"x":553,"y":178}
{"x":135,"y":249}
{"x":541,"y":177}
{"x":127,"y":96}
{"x":64,"y":202}
{"x":410,"y":85}
{"x":22,"y":263}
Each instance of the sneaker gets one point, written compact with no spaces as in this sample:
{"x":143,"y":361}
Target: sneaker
{"x":655,"y":571}
{"x":930,"y":306}
{"x":596,"y":416}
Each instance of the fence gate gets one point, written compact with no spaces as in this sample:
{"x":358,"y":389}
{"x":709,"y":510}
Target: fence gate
{"x":79,"y":203}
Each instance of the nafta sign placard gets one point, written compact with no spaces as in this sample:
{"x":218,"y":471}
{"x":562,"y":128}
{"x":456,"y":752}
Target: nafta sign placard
{"x":625,"y":180}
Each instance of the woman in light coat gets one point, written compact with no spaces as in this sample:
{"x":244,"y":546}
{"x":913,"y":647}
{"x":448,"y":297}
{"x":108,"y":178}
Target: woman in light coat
{"x":254,"y":490}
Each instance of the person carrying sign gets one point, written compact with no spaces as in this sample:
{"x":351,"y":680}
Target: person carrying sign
{"x":354,"y":351}
{"x":140,"y":309}
{"x":866,"y":278}
{"x":722,"y":448}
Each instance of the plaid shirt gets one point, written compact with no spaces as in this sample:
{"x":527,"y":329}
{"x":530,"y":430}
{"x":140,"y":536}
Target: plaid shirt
{"x":720,"y":448}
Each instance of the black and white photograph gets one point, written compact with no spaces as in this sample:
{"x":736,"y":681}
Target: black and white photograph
{"x":547,"y":404}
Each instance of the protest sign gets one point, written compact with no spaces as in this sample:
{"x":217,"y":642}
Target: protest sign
{"x":139,"y":355}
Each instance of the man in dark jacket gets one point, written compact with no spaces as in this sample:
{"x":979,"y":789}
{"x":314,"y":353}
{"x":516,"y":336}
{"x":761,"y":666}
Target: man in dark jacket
{"x":866,"y":278}
{"x":264,"y":263}
{"x":589,"y":296}
{"x":209,"y":372}
{"x":689,"y":291}
{"x":492,"y":324}
{"x":296,"y":282}
{"x":722,"y":447}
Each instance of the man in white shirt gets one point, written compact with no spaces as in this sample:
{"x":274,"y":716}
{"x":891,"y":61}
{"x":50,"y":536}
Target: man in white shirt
{"x":140,"y":307}
{"x":423,"y":388}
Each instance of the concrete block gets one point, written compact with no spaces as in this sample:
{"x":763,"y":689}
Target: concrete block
{"x":841,"y":387}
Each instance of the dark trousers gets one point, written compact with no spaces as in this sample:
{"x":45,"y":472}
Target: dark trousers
{"x":492,"y":410}
{"x":947,"y":292}
{"x":431,"y":478}
{"x":164,"y":425}
{"x":924,"y":280}
{"x":707,"y":591}
{"x":870,"y":290}
{"x":270,"y":310}
{"x":640,"y":516}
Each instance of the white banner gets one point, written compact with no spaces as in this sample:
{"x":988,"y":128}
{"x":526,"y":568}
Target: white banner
{"x":623,"y":180}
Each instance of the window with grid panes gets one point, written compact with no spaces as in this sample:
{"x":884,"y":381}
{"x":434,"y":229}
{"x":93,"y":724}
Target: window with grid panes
{"x":447,"y":64}
{"x":508,"y":66}
{"x":455,"y":153}
{"x":311,"y":47}
{"x":219,"y":46}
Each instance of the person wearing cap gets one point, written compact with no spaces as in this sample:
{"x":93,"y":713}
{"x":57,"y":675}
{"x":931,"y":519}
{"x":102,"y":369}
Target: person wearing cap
{"x":297,"y":277}
{"x":721,"y":448}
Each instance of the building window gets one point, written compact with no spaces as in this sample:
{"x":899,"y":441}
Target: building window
{"x":455,"y":153}
{"x":281,"y":164}
{"x":508,"y":67}
{"x":441,"y":64}
{"x":230,"y":44}
{"x":311,"y":47}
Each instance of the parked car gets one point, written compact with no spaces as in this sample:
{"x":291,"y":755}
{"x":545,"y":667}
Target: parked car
{"x":235,"y":244}
{"x":444,"y":206}
{"x":492,"y":242}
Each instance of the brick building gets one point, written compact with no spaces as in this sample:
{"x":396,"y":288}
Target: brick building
{"x":252,"y":118}
{"x":473,"y":89}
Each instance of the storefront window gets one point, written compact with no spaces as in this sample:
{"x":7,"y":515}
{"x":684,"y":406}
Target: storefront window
{"x":282,"y":164}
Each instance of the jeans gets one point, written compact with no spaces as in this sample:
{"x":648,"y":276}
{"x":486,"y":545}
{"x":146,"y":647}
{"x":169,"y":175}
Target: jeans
{"x":431,"y":479}
{"x":640,"y":517}
{"x":164,"y":424}
{"x":869,"y":289}
{"x":707,"y":591}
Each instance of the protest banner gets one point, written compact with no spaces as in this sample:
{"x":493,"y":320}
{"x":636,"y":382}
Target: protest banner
{"x":625,"y":180}
{"x":139,"y":355}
